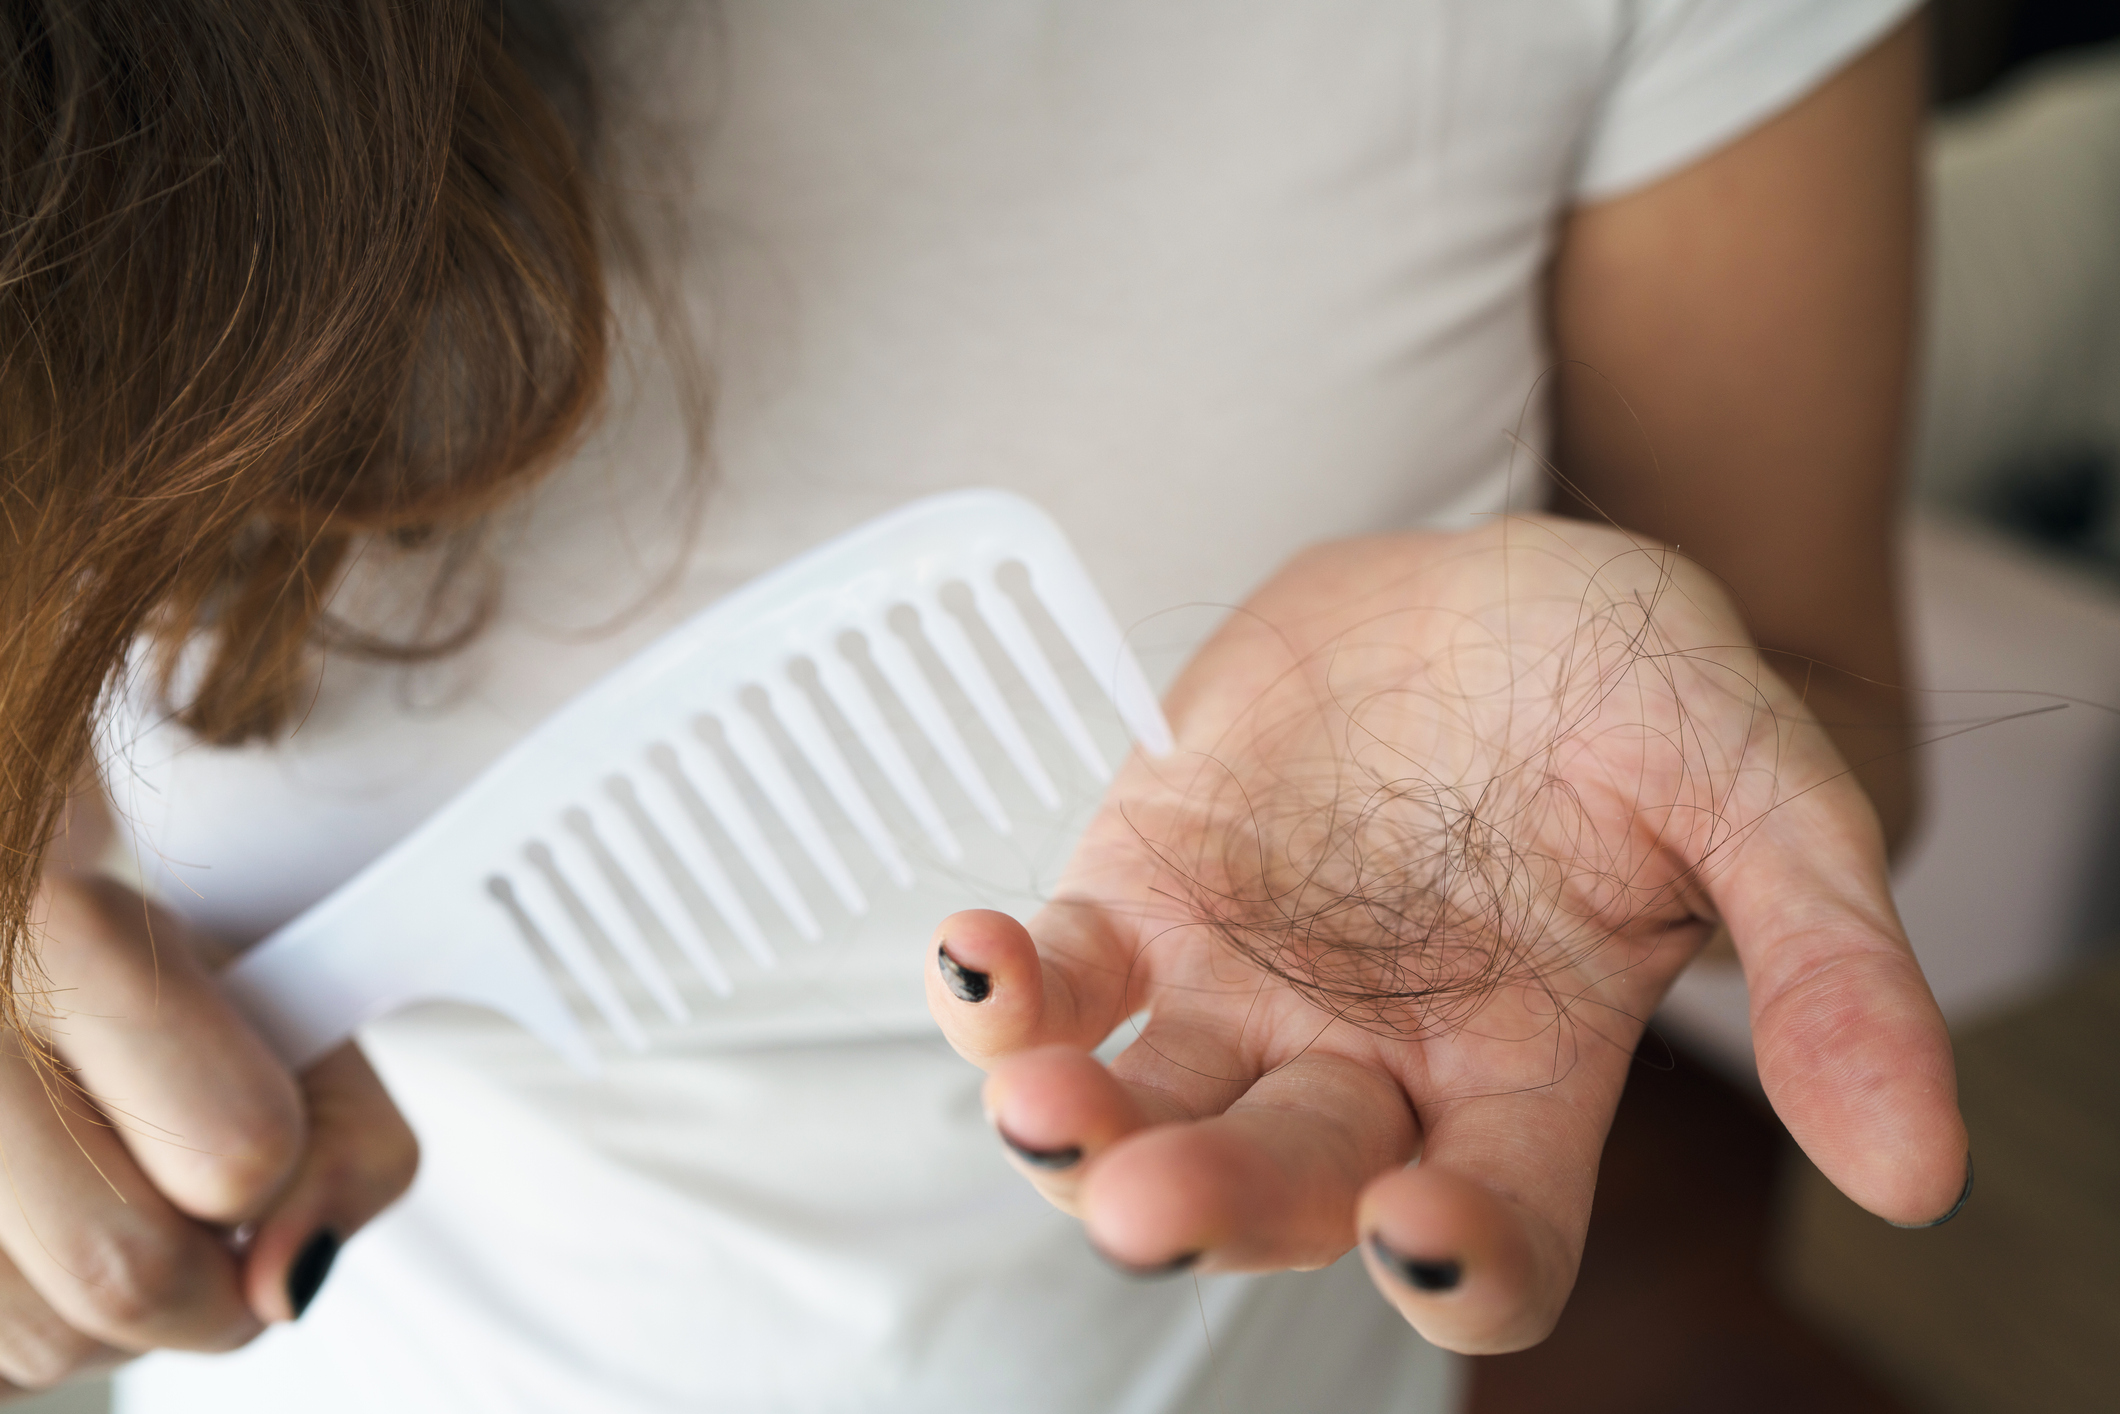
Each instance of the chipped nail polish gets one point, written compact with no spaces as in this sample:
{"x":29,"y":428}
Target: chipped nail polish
{"x":305,"y":1276}
{"x":1054,"y":1159}
{"x":1431,"y":1275}
{"x":967,"y":984}
{"x":1956,"y":1208}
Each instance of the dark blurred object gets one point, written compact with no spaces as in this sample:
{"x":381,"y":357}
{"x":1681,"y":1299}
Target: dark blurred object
{"x":1674,"y":1312}
{"x":1975,"y":42}
{"x":2019,"y":421}
{"x":2068,"y":501}
{"x":2015,"y":1304}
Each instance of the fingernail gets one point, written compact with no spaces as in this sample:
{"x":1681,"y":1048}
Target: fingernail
{"x":305,"y":1278}
{"x":1957,"y":1207}
{"x":968,"y":983}
{"x":1429,"y":1274}
{"x":1182,"y":1262}
{"x":1055,"y":1159}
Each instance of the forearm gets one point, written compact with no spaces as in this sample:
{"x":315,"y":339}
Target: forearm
{"x":1735,"y":344}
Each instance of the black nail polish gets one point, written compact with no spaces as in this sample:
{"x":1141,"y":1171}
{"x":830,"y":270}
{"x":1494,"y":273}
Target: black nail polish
{"x":968,"y":983}
{"x":1184,"y":1261}
{"x":1956,"y":1208}
{"x":305,"y":1277}
{"x":1055,"y":1159}
{"x":1428,"y":1274}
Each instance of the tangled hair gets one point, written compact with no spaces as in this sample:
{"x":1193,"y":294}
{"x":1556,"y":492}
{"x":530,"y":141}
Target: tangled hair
{"x":1397,"y":905}
{"x":278,"y":276}
{"x":1396,"y":834}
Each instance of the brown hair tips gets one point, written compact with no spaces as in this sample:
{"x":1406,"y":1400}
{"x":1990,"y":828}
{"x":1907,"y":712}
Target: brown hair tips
{"x":277,"y":275}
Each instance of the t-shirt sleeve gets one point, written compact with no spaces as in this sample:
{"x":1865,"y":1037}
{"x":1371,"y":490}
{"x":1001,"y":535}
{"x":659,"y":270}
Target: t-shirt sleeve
{"x":1691,"y":75}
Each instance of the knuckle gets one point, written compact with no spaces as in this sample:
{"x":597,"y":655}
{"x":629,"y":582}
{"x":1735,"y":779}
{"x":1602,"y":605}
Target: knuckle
{"x":218,"y":1151}
{"x":39,"y":1353}
{"x":130,"y":1281}
{"x":243,"y":1158}
{"x":262,"y":1148}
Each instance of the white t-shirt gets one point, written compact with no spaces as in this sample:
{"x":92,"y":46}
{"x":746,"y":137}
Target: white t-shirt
{"x":1210,"y":282}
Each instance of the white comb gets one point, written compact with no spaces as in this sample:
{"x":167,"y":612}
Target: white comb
{"x":589,"y":835}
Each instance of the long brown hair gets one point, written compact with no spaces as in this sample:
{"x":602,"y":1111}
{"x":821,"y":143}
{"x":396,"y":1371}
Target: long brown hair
{"x":277,"y":275}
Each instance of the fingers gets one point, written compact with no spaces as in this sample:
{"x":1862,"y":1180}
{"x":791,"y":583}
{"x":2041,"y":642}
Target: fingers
{"x":1478,"y":1246}
{"x":995,"y":992}
{"x":361,"y":1158}
{"x":208,"y":1116}
{"x":37,"y":1348}
{"x":1852,"y":1050}
{"x":206,"y":1110}
{"x":1268,"y":1182}
{"x":1058,"y":1110}
{"x":93,"y":1236}
{"x":1056,"y":1106}
{"x":1468,"y":1268}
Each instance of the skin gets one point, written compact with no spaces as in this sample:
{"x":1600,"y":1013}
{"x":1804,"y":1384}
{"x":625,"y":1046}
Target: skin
{"x":1748,"y":321}
{"x":1735,"y":344}
{"x":1242,"y":1125}
{"x":1662,"y":782}
{"x":165,"y":1127}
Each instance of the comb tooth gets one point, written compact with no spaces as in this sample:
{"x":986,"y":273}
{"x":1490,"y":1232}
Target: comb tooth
{"x":574,"y":948}
{"x":1087,"y":625}
{"x":895,"y":661}
{"x":1021,"y":645}
{"x":750,"y":745}
{"x":657,"y":898}
{"x":850,"y":695}
{"x":704,"y":888}
{"x":807,"y":730}
{"x":632,"y":944}
{"x":525,"y":989}
{"x":704,"y":788}
{"x":954,"y":647}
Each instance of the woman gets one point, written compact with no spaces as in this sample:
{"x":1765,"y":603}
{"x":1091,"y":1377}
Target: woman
{"x":1212,"y":287}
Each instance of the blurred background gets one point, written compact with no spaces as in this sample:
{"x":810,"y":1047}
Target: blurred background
{"x":1722,"y":1275}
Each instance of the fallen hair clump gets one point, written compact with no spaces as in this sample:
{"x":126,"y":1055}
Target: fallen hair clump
{"x":1397,"y":838}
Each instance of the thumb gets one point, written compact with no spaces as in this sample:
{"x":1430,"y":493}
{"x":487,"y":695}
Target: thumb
{"x":1852,"y":1049}
{"x":360,"y":1158}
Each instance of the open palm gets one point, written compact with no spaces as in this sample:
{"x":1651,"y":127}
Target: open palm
{"x":1447,"y":815}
